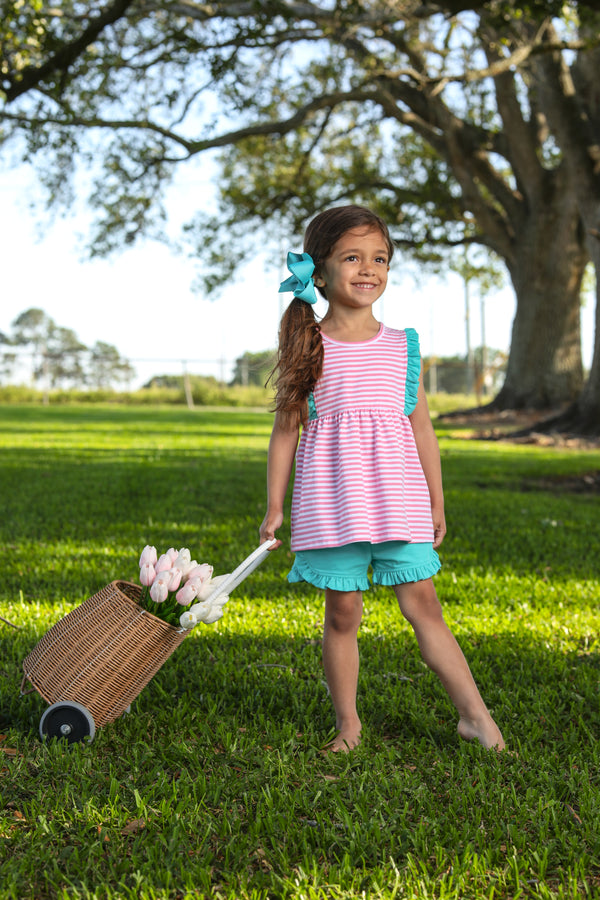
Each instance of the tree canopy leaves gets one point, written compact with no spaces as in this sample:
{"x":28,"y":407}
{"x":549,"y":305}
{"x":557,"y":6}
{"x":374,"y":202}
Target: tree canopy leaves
{"x":459,"y":122}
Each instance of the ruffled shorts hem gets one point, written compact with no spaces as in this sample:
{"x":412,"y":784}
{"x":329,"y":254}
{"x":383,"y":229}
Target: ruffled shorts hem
{"x":301,"y":571}
{"x":406,"y":576}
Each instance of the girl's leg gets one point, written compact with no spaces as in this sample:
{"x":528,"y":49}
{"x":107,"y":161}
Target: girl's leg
{"x":343,"y":613}
{"x":420,"y":605}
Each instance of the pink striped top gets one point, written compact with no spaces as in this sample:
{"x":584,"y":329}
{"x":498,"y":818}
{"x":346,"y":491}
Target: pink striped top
{"x":358,"y":475}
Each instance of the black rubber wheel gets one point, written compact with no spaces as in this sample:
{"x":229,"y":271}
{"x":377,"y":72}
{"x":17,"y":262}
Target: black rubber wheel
{"x":68,"y":721}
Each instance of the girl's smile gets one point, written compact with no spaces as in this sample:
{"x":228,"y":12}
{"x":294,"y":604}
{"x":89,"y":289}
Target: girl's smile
{"x":356,"y":269}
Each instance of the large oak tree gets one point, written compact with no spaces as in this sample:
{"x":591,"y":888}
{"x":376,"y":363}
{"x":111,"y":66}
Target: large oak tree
{"x":454,"y":119}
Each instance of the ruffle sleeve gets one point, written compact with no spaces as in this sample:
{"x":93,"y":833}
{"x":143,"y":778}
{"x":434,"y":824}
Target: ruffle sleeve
{"x":413,"y":370}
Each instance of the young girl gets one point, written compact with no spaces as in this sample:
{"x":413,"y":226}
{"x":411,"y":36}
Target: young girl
{"x":368,"y":486}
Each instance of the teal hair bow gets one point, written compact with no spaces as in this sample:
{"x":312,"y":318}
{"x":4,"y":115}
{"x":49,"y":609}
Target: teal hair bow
{"x":300,"y":281}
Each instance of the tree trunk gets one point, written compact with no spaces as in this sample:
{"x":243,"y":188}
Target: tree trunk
{"x":571,"y":101}
{"x":589,"y":401}
{"x":583,"y":416}
{"x":545,"y":369}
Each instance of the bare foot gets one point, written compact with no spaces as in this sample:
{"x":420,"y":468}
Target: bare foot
{"x":485,"y":731}
{"x":345,"y":740}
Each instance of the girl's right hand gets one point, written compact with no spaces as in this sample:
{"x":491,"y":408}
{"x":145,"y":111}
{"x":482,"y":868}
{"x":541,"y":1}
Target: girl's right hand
{"x":269,"y":526}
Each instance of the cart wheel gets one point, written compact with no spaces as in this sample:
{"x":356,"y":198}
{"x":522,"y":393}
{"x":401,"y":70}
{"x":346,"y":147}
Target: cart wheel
{"x":69,"y":720}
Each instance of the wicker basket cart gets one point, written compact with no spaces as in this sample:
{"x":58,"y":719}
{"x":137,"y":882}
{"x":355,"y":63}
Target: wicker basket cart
{"x":92,"y":664}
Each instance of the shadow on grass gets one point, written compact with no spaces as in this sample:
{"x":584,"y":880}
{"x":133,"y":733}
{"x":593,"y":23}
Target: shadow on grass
{"x":44,"y":491}
{"x":218,"y":768}
{"x":74,"y":519}
{"x":71,"y":527}
{"x":220,"y":759}
{"x":264,"y":684}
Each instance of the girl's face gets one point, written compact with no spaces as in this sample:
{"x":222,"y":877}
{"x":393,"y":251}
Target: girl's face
{"x":356,"y":271}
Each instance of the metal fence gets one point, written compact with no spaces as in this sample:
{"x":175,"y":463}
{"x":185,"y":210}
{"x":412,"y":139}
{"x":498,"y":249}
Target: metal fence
{"x":454,"y":375}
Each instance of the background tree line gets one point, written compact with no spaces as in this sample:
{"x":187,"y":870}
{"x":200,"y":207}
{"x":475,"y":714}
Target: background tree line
{"x":58,"y":358}
{"x":482,"y":374}
{"x":461,"y":123}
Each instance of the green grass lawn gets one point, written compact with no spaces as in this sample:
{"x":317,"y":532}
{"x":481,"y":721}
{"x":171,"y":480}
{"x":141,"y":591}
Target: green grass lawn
{"x":214,"y":785}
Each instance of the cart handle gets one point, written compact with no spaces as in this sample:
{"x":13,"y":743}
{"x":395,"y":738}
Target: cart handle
{"x":238,"y":575}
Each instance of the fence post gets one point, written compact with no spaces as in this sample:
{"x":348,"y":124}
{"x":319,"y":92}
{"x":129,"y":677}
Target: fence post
{"x":189,"y":397}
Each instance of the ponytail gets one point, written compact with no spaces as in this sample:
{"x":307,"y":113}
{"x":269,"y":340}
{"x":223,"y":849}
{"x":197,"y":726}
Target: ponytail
{"x":299,"y":362}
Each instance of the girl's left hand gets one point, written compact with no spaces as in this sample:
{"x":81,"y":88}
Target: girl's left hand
{"x":439,"y":527}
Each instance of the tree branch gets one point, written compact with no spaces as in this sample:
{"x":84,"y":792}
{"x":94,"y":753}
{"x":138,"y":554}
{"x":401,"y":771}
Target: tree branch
{"x":518,"y":139}
{"x":31,"y":76}
{"x":278,"y":126}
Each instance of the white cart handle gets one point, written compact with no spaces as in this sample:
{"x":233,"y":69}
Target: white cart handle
{"x":237,"y":576}
{"x":243,"y":570}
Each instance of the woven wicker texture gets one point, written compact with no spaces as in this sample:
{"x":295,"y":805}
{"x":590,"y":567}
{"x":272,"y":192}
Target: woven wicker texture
{"x":103,"y":653}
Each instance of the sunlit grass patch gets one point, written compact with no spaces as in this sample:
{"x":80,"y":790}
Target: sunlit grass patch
{"x":214,"y":785}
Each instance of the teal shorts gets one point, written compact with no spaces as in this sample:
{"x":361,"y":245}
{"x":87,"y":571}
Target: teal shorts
{"x":346,"y":568}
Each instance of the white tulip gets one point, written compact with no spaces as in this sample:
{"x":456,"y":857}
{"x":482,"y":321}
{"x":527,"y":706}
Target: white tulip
{"x":214,"y":615}
{"x":201,"y":611}
{"x":220,"y":601}
{"x":203,"y":572}
{"x":209,"y":586}
{"x":187,"y":620}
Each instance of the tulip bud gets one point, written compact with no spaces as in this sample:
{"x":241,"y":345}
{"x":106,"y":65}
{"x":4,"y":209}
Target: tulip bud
{"x":175,"y":576}
{"x":187,"y":620}
{"x":201,"y":611}
{"x":160,"y":589}
{"x":209,"y":586}
{"x":202,"y":572}
{"x":205,"y":590}
{"x":164,"y":563}
{"x":187,"y":593}
{"x":147,"y":574}
{"x":183,"y":561}
{"x":213,"y":616}
{"x":149,"y":555}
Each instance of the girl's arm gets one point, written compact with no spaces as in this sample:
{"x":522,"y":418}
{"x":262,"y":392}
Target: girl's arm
{"x":282,"y":451}
{"x":429,"y":454}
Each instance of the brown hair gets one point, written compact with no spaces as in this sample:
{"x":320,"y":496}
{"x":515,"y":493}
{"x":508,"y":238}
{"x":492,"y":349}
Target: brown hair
{"x":300,"y":356}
